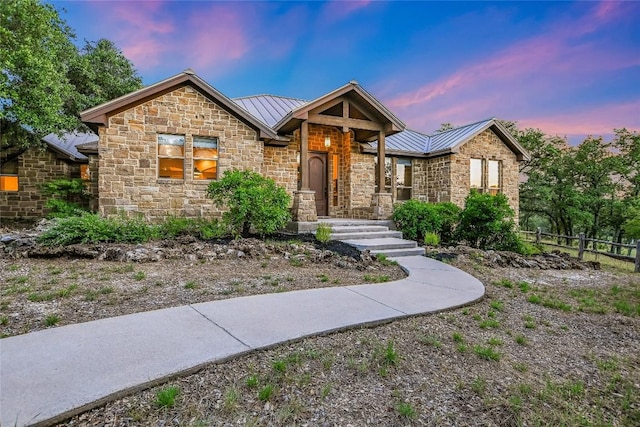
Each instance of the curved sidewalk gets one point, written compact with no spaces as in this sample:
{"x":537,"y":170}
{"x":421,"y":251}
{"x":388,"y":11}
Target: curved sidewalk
{"x":50,"y":375}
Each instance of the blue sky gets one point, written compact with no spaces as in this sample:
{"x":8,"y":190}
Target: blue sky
{"x":568,"y":68}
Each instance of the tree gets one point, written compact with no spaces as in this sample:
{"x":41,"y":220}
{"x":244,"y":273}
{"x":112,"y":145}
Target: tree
{"x":45,"y":81}
{"x":253,"y":201}
{"x":444,"y":127}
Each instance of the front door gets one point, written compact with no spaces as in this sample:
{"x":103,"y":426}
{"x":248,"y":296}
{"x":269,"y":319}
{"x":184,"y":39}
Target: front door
{"x":318,"y":181}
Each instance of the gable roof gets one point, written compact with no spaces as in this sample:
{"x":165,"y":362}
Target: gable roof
{"x":67,"y":145}
{"x":352,"y":89}
{"x":449,"y":141}
{"x":269,"y":108}
{"x":98,"y":116}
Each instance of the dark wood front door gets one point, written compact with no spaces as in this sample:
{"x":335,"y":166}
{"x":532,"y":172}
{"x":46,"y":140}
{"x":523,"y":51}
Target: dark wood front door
{"x":318,"y":181}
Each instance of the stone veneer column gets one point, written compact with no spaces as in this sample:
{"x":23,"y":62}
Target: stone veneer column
{"x":304,"y":206}
{"x":382,"y":205}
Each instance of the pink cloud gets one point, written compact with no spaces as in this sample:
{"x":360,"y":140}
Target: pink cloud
{"x":336,"y":10}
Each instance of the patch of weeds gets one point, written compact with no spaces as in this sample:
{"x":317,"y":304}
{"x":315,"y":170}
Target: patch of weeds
{"x":457,"y":337}
{"x":90,"y":295}
{"x":18,"y":280}
{"x":323,"y":278}
{"x":325,"y":390}
{"x":497,"y":305}
{"x":489,"y":323}
{"x":494,"y":341}
{"x":535,"y":299}
{"x":487,"y":353}
{"x":63,"y":293}
{"x":323,"y":232}
{"x":462,"y":348}
{"x":279,"y":365}
{"x":296,"y":262}
{"x":376,"y":279}
{"x":405,"y":410}
{"x":505,"y":283}
{"x":625,"y":308}
{"x":289,"y":279}
{"x":290,"y":412}
{"x":479,"y":386}
{"x":166,"y":397}
{"x":140,"y":275}
{"x":607,"y":365}
{"x":391,"y":356}
{"x":263,"y":265}
{"x":52,"y":320}
{"x":40,"y":297}
{"x":521,"y":339}
{"x":251,"y":381}
{"x":524,"y":287}
{"x":190,"y":285}
{"x":431,"y":340}
{"x":476,"y":317}
{"x":491,"y":314}
{"x":328,"y":361}
{"x":382,"y":259}
{"x":106,"y":290}
{"x":520,"y":367}
{"x":4,"y":321}
{"x":465,"y":311}
{"x":266,"y":392}
{"x":13,"y":267}
{"x":231,"y":397}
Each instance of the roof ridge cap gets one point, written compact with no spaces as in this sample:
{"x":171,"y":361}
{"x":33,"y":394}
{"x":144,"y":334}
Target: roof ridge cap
{"x":269,"y":94}
{"x":462,"y":126}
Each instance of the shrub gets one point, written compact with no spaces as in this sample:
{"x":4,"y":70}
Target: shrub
{"x":66,"y":197}
{"x":486,"y":222}
{"x":431,"y":239}
{"x":323,"y":232}
{"x":449,"y":214}
{"x":414,"y":219}
{"x":253,"y":202}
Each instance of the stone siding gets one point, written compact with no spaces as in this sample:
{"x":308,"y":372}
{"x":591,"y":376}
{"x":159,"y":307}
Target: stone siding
{"x":432,"y":179}
{"x":128,"y":178}
{"x":35,"y":167}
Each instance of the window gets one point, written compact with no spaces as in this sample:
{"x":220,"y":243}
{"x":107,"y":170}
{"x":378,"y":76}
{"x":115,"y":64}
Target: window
{"x":476,"y":174}
{"x":397,"y":177}
{"x":403,"y":179}
{"x":171,"y":156}
{"x":205,"y":158}
{"x":9,"y":175}
{"x":84,"y":173}
{"x":493,"y":177}
{"x":485,"y":176}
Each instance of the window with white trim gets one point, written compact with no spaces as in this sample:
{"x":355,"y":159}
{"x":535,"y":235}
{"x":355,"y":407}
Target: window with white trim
{"x":205,"y":158}
{"x":171,"y":156}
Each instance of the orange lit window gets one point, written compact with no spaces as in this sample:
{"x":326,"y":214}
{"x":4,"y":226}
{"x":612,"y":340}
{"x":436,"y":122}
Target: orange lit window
{"x":171,"y":156}
{"x":9,"y":175}
{"x":84,"y":173}
{"x":205,"y":158}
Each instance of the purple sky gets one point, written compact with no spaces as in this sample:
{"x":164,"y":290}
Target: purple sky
{"x":568,"y":68}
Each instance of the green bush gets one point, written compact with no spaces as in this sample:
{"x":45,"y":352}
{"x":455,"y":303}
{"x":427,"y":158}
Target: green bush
{"x":92,"y":228}
{"x":66,"y":197}
{"x":431,"y":239}
{"x":253,"y":202}
{"x":449,"y":214}
{"x":486,"y":222}
{"x":414,"y":219}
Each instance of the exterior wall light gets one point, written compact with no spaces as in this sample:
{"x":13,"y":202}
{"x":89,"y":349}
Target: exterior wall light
{"x":327,"y":141}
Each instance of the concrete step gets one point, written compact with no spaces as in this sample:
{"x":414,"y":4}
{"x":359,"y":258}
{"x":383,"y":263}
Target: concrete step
{"x":365,"y":235}
{"x":393,"y":253}
{"x":345,"y":222}
{"x":339,"y":229}
{"x":381,"y":244}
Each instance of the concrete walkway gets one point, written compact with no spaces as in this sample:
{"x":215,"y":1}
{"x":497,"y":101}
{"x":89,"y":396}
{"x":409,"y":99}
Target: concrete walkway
{"x":50,"y":375}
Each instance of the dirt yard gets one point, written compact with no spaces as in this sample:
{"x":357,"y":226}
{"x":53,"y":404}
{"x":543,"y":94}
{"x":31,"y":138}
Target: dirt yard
{"x":544,"y":347}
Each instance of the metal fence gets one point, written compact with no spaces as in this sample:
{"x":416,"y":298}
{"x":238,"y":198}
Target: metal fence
{"x":583,"y":245}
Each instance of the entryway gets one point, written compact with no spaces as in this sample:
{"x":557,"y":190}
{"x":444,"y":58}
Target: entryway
{"x":318,"y":181}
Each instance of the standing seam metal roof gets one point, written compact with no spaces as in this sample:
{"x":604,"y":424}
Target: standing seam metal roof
{"x":67,"y":144}
{"x":269,"y":108}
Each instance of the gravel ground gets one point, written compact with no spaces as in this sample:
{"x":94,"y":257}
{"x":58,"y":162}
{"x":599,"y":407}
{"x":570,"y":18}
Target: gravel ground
{"x":544,"y":347}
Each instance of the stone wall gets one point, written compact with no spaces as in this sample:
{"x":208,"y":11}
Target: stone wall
{"x":432,"y":179}
{"x":485,"y":146}
{"x":128,"y":155}
{"x":35,"y":167}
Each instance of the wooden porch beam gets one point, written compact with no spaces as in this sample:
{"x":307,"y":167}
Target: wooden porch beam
{"x":344,"y":122}
{"x":304,"y":155}
{"x":326,"y":106}
{"x":381,"y":163}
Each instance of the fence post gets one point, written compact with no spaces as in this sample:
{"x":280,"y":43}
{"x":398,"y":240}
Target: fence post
{"x":637,"y":269}
{"x":538,"y":235}
{"x":581,"y":246}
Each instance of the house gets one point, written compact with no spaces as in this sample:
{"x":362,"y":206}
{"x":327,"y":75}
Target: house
{"x":23,"y":171}
{"x":341,"y":155}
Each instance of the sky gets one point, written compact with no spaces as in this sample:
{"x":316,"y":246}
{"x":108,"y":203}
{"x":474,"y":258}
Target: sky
{"x":568,"y":68}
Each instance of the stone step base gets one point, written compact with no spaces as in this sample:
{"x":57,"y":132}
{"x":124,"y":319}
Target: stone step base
{"x":381,"y":244}
{"x":365,"y":235}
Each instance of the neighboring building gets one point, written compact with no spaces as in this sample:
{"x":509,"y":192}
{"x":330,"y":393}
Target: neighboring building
{"x":159,"y":148}
{"x":22,"y":172}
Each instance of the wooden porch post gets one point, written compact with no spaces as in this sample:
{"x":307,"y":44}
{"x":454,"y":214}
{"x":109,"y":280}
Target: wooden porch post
{"x":304,"y":155}
{"x":381,"y":162}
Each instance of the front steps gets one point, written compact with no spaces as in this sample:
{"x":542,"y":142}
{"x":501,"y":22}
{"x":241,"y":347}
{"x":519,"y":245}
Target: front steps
{"x":374,"y":236}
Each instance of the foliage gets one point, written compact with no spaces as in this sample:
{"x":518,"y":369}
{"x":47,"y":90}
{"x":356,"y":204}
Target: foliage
{"x":449,"y":213}
{"x":253,"y":201}
{"x":205,"y":229}
{"x":431,"y":239}
{"x":66,"y":197}
{"x":46,"y":81}
{"x":486,"y":222}
{"x":631,"y":225}
{"x":167,"y":397}
{"x":415,"y":219}
{"x":323,"y":232}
